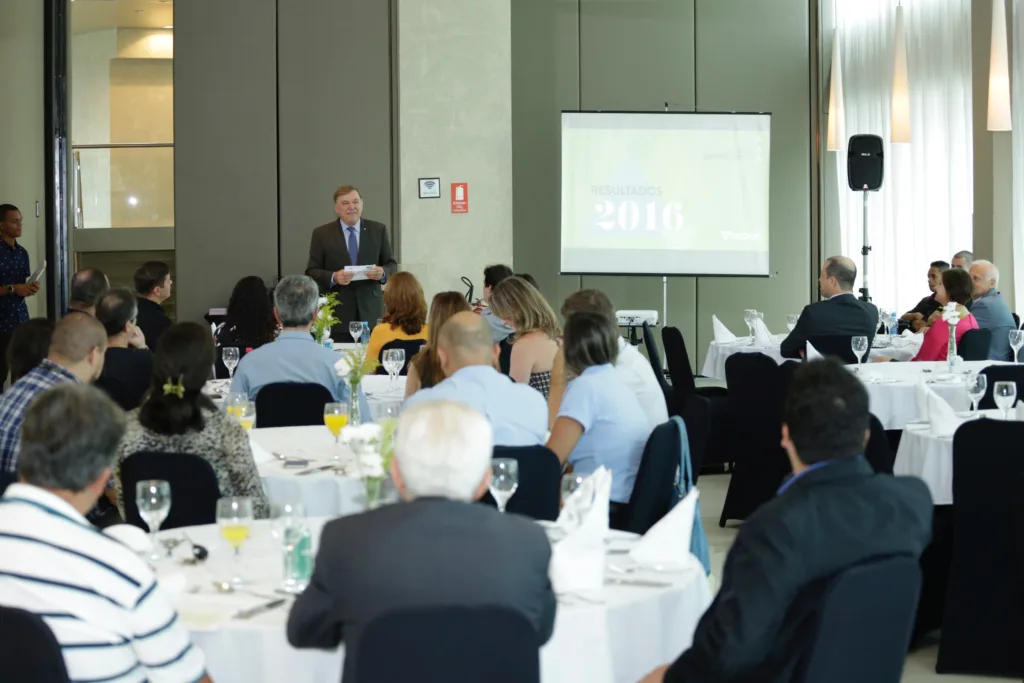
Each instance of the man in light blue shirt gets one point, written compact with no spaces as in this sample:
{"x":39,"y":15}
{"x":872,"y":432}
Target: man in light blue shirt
{"x":990,"y":310}
{"x":294,"y":356}
{"x":517,"y":412}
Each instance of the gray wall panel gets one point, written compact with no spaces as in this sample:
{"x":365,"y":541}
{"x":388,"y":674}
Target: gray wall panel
{"x":225,"y":177}
{"x":334,"y":71}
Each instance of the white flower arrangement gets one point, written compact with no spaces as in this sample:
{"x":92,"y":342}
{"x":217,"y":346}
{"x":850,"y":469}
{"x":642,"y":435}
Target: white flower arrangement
{"x":365,"y":441}
{"x":950,"y":314}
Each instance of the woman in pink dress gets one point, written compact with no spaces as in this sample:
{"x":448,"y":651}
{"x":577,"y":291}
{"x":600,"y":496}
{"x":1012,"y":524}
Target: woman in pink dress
{"x":954,"y":288}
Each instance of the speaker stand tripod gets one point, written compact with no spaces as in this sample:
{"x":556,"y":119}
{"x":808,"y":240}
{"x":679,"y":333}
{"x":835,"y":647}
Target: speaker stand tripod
{"x":864,"y":251}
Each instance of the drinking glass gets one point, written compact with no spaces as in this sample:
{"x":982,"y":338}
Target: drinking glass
{"x":394,"y":361}
{"x":380,"y":321}
{"x":504,"y":480}
{"x":860,"y":347}
{"x":245,"y":411}
{"x":791,"y":321}
{"x":381,"y":411}
{"x":977,"y":384}
{"x":570,"y":482}
{"x":748,"y":317}
{"x":232,"y":400}
{"x":894,"y":322}
{"x":234,"y":517}
{"x":229,"y":354}
{"x":289,"y":527}
{"x":1005,"y":395}
{"x":1016,"y":341}
{"x":153,"y":498}
{"x":355,"y":328}
{"x":335,"y":419}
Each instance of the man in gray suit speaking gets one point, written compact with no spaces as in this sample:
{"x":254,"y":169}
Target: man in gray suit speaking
{"x":351,"y":241}
{"x":436,"y":549}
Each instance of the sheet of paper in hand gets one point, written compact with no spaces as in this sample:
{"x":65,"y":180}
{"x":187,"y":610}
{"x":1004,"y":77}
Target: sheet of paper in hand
{"x":358,"y":272}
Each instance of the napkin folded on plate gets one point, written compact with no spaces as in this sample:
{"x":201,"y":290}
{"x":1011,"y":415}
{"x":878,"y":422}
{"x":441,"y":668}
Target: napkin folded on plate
{"x":259,"y":454}
{"x":136,"y":539}
{"x":667,"y":543}
{"x":762,"y":337}
{"x":577,"y":561}
{"x":812,"y":353}
{"x":940,"y":415}
{"x":722,"y":333}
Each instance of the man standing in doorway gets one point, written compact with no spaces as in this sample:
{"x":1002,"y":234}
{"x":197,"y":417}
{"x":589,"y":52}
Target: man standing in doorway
{"x":14,"y":270}
{"x":351,"y":241}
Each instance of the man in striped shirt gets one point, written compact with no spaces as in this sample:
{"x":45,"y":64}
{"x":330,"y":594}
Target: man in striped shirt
{"x":102,"y":602}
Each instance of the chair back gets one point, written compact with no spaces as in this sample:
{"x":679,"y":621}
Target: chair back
{"x":505,"y":356}
{"x":838,"y":346}
{"x":860,"y":623}
{"x":1001,"y":373}
{"x":291,"y":404}
{"x":540,"y":482}
{"x":194,"y":488}
{"x":411,"y":348}
{"x":974,"y":344}
{"x":878,"y":453}
{"x":449,"y":644}
{"x":653,"y":490}
{"x":983,"y":619}
{"x":659,"y":369}
{"x":678,"y":361}
{"x":31,"y":653}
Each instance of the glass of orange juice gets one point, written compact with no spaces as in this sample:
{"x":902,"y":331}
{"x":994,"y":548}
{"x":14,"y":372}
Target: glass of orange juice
{"x":245,"y":411}
{"x":232,"y":400}
{"x":234,"y":517}
{"x":335,"y":419}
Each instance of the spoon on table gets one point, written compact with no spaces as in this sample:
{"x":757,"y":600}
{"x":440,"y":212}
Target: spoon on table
{"x":227,"y":589}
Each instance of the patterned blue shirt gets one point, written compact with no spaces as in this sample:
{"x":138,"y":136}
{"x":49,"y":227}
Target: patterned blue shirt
{"x":14,"y":270}
{"x":14,"y":402}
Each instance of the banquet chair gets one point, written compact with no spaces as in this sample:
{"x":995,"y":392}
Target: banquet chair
{"x":659,"y":371}
{"x":1001,"y":373}
{"x":678,"y":360}
{"x":505,"y":356}
{"x":983,"y":620}
{"x":974,"y":344}
{"x":655,"y":480}
{"x":696,"y":415}
{"x":757,"y":391}
{"x":194,"y":487}
{"x":857,"y":623}
{"x":449,"y":644}
{"x":291,"y":404}
{"x":411,"y":348}
{"x":30,"y":652}
{"x":540,"y":482}
{"x":684,"y":389}
{"x":877,"y":452}
{"x":837,"y":345}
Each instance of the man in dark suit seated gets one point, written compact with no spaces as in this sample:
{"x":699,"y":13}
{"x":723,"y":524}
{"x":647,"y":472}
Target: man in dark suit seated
{"x":832,"y":514}
{"x":435,"y":549}
{"x":918,"y":315}
{"x":839,"y":314}
{"x":128,"y":364}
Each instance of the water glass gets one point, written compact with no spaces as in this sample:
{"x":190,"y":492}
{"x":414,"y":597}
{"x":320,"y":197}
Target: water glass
{"x":894,"y":324}
{"x":381,"y":411}
{"x":977,"y":384}
{"x":394,"y":361}
{"x":290,"y":528}
{"x":234,"y":518}
{"x":1005,"y":395}
{"x":245,"y":411}
{"x":748,"y":317}
{"x":504,"y":480}
{"x":232,"y":400}
{"x":791,"y":321}
{"x":1016,"y":341}
{"x":153,"y":498}
{"x":229,"y":355}
{"x":860,"y":347}
{"x":571,"y":482}
{"x":355,"y":328}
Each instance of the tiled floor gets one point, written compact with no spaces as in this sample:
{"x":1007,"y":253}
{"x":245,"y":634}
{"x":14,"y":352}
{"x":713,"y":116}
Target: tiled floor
{"x":920,"y":666}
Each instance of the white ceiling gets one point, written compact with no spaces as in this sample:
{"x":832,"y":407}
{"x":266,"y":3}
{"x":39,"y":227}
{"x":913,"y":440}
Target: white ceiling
{"x":95,"y":15}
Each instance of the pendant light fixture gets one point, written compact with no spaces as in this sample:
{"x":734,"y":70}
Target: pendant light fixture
{"x":900,"y":110}
{"x":998,"y":71}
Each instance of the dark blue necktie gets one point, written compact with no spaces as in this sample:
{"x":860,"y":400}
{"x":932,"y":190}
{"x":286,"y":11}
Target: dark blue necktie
{"x":353,"y":246}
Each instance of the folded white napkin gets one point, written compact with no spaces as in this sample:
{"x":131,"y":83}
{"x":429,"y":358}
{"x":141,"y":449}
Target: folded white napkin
{"x":135,"y":538}
{"x":940,"y":415}
{"x":812,"y":353}
{"x":667,"y":543}
{"x":762,"y":337}
{"x":260,"y":455}
{"x":908,"y":333}
{"x":577,"y":561}
{"x":722,"y":333}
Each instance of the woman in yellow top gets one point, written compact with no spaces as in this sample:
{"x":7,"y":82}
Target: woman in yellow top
{"x":405,"y":317}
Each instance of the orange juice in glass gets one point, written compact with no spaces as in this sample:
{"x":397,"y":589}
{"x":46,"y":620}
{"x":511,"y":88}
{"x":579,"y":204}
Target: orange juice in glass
{"x":335,"y":419}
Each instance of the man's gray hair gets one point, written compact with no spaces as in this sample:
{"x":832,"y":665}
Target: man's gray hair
{"x":988,"y":271}
{"x":295,"y":299}
{"x":965,"y":255}
{"x":69,"y":437}
{"x":443,"y":448}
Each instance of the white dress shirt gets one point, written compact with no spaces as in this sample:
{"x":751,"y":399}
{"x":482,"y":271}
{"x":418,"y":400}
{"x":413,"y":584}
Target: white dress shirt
{"x":636,"y":372}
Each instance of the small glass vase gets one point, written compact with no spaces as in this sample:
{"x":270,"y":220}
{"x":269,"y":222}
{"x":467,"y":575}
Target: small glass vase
{"x":355,"y":417}
{"x":951,"y":348}
{"x":373,"y":491}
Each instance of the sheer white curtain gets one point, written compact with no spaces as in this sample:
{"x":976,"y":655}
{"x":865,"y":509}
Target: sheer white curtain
{"x":1016,"y":26}
{"x":924,"y":210}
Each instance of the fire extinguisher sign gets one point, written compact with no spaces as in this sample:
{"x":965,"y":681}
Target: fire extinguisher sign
{"x":460,"y":197}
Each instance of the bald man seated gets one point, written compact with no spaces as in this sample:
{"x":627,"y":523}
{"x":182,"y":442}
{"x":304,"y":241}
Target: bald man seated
{"x":839,"y":313}
{"x":518,"y":413}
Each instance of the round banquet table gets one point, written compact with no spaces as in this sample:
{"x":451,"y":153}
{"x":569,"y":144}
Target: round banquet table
{"x":378,"y":389}
{"x":614,"y":635}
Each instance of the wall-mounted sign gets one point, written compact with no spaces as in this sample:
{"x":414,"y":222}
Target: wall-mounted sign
{"x":430,"y":188}
{"x":460,"y":197}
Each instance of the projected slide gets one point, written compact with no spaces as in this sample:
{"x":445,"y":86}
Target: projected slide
{"x":665,"y":194}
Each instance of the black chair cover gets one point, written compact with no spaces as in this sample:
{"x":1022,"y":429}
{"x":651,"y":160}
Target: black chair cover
{"x":411,"y":348}
{"x":983,"y":622}
{"x":697,"y":416}
{"x":291,"y":404}
{"x":1001,"y":373}
{"x":655,"y":479}
{"x":449,"y":645}
{"x":540,"y":482}
{"x":194,"y":488}
{"x":659,"y":370}
{"x":678,"y":360}
{"x":505,"y":356}
{"x":30,"y":652}
{"x":974,"y":345}
{"x":878,"y":452}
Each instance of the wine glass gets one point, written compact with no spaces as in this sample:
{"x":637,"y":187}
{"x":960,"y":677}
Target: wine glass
{"x":153,"y":498}
{"x":860,"y":347}
{"x":1016,"y":341}
{"x":335,"y":419}
{"x":381,"y":411}
{"x":232,"y":400}
{"x":570,"y":482}
{"x":748,"y":317}
{"x":229,"y":354}
{"x":504,"y":480}
{"x":1005,"y":395}
{"x":791,"y":321}
{"x":977,"y":384}
{"x":355,"y":328}
{"x":245,"y":411}
{"x":394,"y":361}
{"x":234,"y":517}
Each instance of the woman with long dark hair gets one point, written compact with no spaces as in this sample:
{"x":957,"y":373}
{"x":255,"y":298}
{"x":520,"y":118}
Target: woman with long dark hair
{"x":250,"y":320}
{"x":176,"y":417}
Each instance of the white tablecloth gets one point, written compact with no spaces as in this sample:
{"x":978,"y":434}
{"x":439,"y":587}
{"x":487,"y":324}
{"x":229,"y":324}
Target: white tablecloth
{"x":714,"y":362}
{"x":930,"y":458}
{"x":378,"y":388}
{"x":635,"y":629}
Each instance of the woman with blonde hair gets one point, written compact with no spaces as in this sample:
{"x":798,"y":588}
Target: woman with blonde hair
{"x":534,"y":344}
{"x":425,"y":368}
{"x":405,"y":317}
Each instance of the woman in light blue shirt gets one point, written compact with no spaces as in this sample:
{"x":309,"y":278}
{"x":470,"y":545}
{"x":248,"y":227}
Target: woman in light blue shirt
{"x":598,"y":420}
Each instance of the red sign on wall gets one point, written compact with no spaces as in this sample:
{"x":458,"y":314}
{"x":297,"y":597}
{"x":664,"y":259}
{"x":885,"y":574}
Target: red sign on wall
{"x":460,"y":197}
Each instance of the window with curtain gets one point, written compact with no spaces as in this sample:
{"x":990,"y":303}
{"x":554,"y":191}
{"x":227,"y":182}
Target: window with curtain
{"x":924,"y":211}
